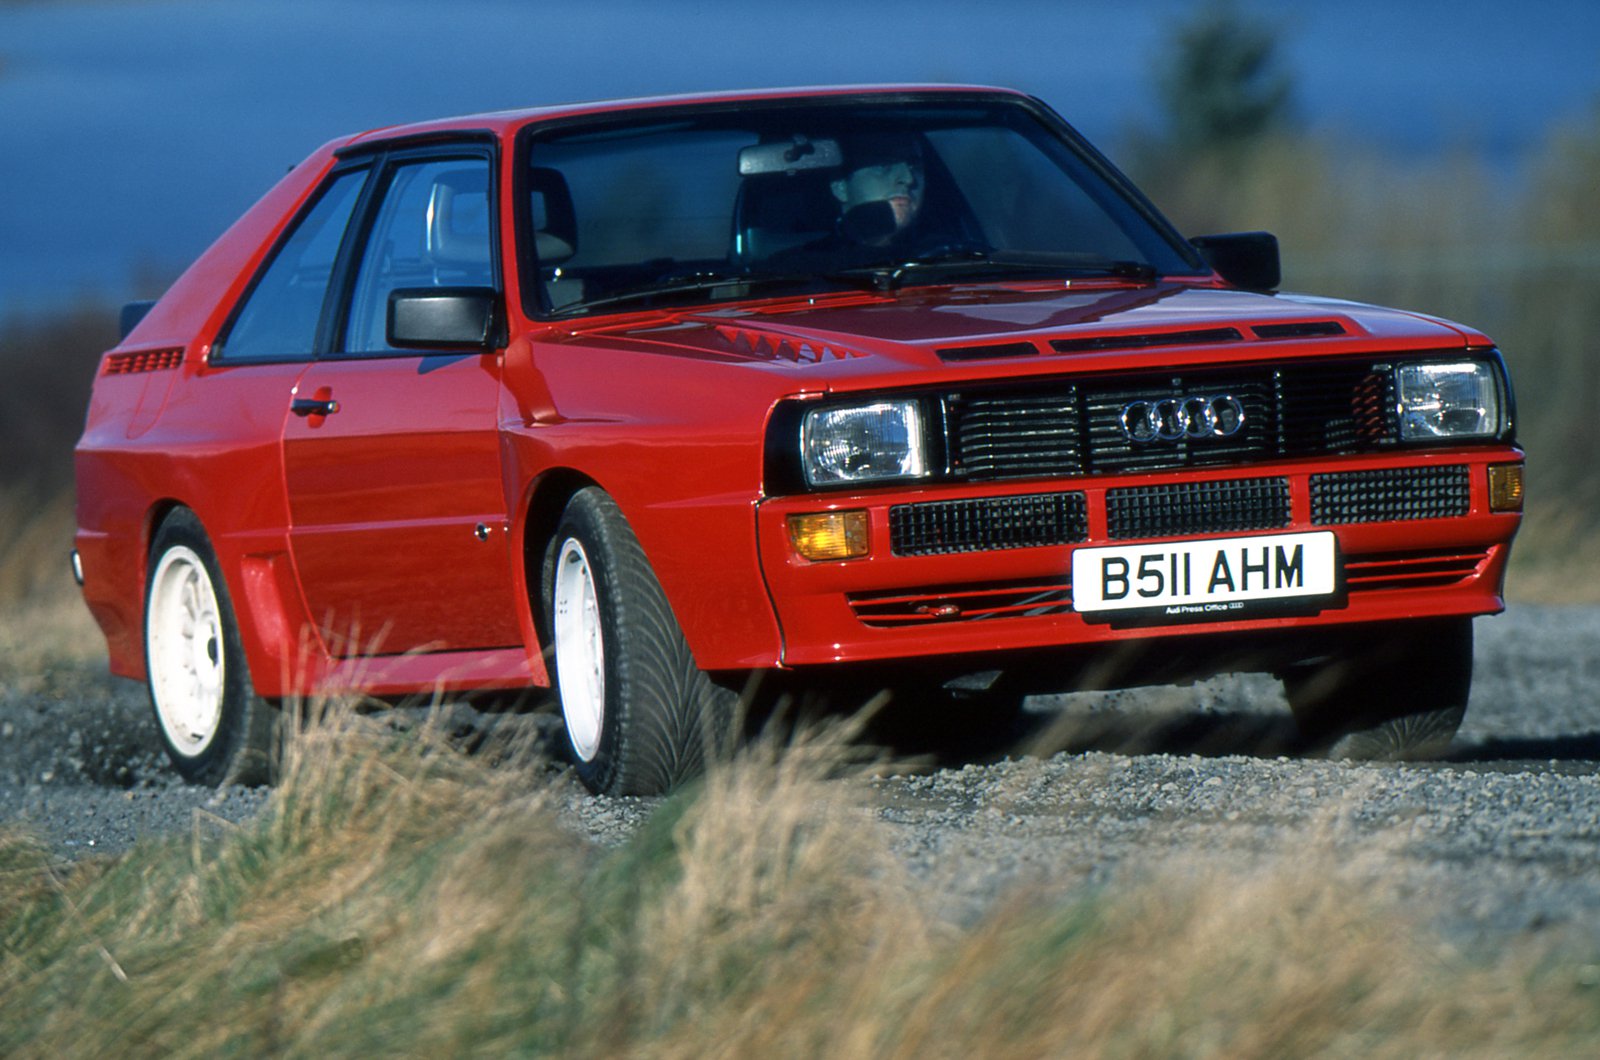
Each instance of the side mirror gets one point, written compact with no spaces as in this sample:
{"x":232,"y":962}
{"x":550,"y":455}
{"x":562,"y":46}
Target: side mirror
{"x":444,"y":318}
{"x":1245,"y":259}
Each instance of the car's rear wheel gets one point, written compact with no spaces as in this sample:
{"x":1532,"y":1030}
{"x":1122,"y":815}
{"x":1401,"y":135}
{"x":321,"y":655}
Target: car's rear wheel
{"x":641,"y":717}
{"x":216,"y":730}
{"x":1396,"y":695}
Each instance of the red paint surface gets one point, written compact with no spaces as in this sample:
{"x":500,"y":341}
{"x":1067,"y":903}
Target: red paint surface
{"x":357,"y":531}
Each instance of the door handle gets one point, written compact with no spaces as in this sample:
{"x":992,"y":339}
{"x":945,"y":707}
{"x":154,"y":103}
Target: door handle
{"x":313,"y":406}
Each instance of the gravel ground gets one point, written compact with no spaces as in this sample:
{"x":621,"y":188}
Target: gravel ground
{"x":1500,"y":839}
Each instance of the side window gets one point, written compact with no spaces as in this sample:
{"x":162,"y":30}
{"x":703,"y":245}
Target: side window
{"x":278,"y":321}
{"x":433,"y":229}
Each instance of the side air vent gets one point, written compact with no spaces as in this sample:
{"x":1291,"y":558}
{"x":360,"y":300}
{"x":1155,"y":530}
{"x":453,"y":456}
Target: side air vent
{"x":1305,"y":329}
{"x":143,"y":361}
{"x":1201,"y":337}
{"x":991,"y":352}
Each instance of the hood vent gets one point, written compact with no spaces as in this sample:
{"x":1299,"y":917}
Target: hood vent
{"x":771,"y":347}
{"x":1201,"y":337}
{"x":987,"y":353}
{"x":1300,"y":329}
{"x":1304,"y":329}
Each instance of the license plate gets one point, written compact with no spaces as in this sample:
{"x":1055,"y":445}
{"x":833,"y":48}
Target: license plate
{"x":1204,"y":579}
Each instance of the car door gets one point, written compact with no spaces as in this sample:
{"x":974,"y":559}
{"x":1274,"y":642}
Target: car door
{"x":392,"y":457}
{"x":233,"y":415}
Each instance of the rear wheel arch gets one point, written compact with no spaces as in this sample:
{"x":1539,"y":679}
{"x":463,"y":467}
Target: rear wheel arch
{"x":156,"y":516}
{"x":216,"y":729}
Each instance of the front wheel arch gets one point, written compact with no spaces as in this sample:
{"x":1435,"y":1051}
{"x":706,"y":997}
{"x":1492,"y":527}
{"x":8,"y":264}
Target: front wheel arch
{"x":647,"y":717}
{"x":546,"y":500}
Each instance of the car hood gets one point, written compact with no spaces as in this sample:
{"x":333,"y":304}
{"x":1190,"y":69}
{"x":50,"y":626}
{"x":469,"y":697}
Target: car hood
{"x":962,"y":329}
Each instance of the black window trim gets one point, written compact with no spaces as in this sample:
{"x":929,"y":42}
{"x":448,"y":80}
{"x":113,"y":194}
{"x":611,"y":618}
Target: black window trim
{"x":336,"y":312}
{"x":379,"y":161}
{"x":218,"y":354}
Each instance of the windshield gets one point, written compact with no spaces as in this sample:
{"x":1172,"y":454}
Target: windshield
{"x":718,"y":204}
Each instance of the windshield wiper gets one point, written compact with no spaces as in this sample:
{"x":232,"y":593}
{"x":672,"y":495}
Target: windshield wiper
{"x":885,"y":277}
{"x":687,"y":283}
{"x":690,"y":283}
{"x":889,"y":277}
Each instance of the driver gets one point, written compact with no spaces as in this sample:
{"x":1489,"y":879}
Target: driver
{"x":880,"y":192}
{"x":883,"y":170}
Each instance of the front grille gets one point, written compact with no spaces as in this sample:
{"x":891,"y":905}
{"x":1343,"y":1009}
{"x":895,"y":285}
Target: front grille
{"x":1055,"y":428}
{"x":1111,"y":451}
{"x":1017,"y":433}
{"x":1197,"y":508}
{"x":984,"y":523}
{"x":1390,"y":495}
{"x":964,"y":603}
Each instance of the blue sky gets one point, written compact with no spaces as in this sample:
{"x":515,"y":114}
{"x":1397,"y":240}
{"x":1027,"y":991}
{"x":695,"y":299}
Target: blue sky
{"x":132,"y":133}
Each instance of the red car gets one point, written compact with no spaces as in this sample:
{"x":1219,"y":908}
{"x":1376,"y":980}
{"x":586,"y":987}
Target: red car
{"x":902,"y":387}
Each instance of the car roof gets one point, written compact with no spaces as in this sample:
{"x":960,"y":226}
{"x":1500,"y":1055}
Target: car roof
{"x":504,"y":122}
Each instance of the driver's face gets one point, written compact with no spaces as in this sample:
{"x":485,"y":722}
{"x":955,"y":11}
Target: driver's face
{"x":897,"y":183}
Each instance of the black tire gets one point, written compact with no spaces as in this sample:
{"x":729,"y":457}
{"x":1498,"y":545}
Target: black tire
{"x":1397,"y":695}
{"x":641,"y":716}
{"x":215,"y":729}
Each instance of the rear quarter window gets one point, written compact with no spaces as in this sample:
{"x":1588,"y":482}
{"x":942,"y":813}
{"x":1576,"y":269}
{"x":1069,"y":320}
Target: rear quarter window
{"x":279,"y":317}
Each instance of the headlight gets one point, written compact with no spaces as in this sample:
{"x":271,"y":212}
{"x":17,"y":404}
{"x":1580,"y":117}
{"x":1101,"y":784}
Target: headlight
{"x":1455,"y":400}
{"x":863,"y":443}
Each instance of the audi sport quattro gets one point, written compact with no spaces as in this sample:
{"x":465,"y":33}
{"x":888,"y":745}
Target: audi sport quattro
{"x":900,"y":388}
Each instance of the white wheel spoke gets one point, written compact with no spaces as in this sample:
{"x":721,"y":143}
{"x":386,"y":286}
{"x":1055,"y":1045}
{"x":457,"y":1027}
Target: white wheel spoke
{"x":579,"y":649}
{"x":186,"y":658}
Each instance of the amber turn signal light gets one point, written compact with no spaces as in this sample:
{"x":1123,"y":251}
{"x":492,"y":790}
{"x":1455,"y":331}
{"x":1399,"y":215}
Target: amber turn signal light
{"x":1505,"y":487}
{"x":829,"y":535}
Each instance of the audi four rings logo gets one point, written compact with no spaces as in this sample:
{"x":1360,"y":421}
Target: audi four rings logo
{"x":1172,"y":419}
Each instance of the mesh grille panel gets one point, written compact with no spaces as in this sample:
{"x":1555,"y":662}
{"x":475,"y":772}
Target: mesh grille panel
{"x":987,"y":523}
{"x":1389,"y":495}
{"x":1197,"y":508}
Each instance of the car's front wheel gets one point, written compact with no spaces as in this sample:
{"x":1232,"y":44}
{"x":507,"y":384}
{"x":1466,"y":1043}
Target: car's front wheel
{"x":216,"y":730}
{"x":641,"y":717}
{"x":1398,"y":694}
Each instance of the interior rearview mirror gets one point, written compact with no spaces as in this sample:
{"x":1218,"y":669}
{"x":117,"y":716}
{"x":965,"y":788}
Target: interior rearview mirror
{"x":789,"y":157}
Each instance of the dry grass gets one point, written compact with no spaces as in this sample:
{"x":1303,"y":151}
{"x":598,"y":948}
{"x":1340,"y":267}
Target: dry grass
{"x":397,"y":898}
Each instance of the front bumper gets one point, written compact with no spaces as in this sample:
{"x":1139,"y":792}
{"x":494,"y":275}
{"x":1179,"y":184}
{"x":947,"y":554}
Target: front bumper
{"x":1416,"y":538}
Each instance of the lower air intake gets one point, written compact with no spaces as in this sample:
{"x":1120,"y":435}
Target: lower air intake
{"x":1197,"y":508}
{"x":988,"y":523}
{"x":1393,"y":494}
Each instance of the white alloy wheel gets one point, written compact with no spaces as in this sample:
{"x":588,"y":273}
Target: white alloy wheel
{"x":580,"y":650}
{"x":184,"y":637}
